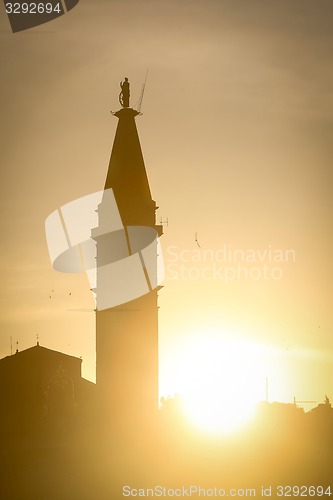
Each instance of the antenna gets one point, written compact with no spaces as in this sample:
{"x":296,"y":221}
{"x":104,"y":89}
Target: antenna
{"x":166,"y":221}
{"x":11,"y":345}
{"x":142,"y":92}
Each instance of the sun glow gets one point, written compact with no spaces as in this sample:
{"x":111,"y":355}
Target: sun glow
{"x":222,"y":380}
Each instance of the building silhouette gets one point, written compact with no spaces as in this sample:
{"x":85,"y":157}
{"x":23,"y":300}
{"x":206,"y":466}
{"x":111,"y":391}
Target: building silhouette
{"x":127,"y":334}
{"x":40,"y":385}
{"x":40,"y":382}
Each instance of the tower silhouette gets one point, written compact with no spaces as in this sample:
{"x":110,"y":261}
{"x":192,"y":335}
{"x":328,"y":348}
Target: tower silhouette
{"x":127,"y":334}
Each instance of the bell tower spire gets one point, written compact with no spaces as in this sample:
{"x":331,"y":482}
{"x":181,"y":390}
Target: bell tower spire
{"x":127,"y":174}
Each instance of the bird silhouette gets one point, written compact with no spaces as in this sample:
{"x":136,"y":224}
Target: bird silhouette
{"x":196,"y":240}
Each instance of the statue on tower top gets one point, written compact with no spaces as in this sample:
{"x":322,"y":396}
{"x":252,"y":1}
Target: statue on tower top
{"x":125,"y":93}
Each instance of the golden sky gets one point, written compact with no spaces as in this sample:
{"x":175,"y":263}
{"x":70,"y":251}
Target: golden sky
{"x":237,"y":139}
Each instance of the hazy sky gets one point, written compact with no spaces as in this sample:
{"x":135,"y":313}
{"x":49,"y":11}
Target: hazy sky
{"x":237,"y":138}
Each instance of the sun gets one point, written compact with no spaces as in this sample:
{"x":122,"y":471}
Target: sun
{"x":222,"y":381}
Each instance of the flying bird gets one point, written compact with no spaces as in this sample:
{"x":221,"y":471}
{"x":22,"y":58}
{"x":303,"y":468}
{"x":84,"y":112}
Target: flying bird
{"x":196,"y":240}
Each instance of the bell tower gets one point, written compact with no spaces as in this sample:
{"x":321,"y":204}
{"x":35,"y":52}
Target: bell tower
{"x":127,"y":334}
